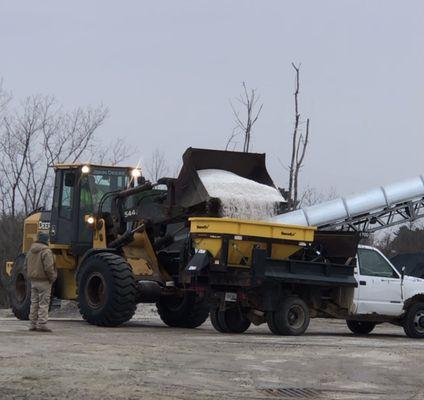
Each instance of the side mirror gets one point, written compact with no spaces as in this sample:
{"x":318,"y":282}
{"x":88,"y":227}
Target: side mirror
{"x":403,"y":272}
{"x":69,"y":179}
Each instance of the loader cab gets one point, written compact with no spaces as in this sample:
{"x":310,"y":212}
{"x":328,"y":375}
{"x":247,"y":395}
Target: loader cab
{"x":78,"y":190}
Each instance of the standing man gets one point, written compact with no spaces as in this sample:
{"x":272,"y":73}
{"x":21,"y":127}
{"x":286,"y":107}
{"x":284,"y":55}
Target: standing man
{"x":42,"y":274}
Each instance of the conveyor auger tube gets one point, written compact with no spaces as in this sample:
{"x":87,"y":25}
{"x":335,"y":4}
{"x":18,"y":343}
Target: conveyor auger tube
{"x":366,"y":212}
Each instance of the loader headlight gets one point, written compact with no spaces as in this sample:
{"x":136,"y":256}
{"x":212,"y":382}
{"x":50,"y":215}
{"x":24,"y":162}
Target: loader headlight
{"x":85,"y":169}
{"x":136,"y":173}
{"x":90,"y":220}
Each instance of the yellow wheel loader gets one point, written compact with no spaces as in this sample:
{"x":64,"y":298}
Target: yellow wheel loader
{"x":119,"y":240}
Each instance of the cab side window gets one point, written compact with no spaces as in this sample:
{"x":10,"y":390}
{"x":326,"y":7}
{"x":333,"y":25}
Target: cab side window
{"x":372,"y":263}
{"x":66,"y":197}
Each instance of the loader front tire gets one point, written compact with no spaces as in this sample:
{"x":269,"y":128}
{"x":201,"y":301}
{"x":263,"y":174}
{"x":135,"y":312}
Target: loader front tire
{"x":188,"y":311}
{"x":20,"y":290}
{"x":106,"y":290}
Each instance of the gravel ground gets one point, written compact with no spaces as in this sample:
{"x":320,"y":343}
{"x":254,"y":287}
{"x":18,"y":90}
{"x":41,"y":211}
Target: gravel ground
{"x":144,"y":359}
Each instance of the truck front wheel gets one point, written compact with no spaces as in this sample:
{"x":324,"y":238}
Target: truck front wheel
{"x":413,"y":324}
{"x":291,"y":319}
{"x":360,"y":327}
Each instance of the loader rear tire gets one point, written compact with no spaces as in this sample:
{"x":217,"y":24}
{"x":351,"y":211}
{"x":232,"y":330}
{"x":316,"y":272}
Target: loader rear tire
{"x":20,"y":290}
{"x":360,"y":327}
{"x":106,"y":290}
{"x":216,"y":320}
{"x":188,"y":311}
{"x":231,"y":320}
{"x":291,"y":319}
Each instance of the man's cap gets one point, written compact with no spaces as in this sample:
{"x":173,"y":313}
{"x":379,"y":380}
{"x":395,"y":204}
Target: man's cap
{"x":43,"y":237}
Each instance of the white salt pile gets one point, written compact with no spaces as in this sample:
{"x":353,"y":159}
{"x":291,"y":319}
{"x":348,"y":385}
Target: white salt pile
{"x":240,"y":197}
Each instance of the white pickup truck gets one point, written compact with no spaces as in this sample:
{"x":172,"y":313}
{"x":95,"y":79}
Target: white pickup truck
{"x":384,"y":295}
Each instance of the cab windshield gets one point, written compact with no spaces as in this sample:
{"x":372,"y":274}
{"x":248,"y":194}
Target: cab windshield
{"x":99,"y":182}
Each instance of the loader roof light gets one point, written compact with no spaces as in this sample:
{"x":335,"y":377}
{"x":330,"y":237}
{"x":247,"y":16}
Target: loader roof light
{"x":136,"y":173}
{"x":90,"y":220}
{"x":85,"y":169}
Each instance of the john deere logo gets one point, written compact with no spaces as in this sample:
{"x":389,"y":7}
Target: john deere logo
{"x":287,"y":233}
{"x":202,"y":226}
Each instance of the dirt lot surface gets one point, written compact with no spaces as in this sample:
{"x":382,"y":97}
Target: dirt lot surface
{"x":146,"y":360}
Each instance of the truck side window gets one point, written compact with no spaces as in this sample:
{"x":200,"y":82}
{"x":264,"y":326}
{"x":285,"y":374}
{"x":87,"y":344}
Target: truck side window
{"x":372,"y":263}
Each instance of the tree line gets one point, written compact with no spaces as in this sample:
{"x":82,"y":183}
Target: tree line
{"x":35,"y":134}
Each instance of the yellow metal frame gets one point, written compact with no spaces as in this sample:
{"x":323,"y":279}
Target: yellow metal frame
{"x":252,"y":228}
{"x":243,"y":236}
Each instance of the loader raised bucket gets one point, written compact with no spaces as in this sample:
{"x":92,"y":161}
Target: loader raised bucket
{"x":189,"y":189}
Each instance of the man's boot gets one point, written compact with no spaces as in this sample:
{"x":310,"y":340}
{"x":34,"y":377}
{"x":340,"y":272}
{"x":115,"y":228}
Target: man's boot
{"x":32,"y":328}
{"x":43,"y":328}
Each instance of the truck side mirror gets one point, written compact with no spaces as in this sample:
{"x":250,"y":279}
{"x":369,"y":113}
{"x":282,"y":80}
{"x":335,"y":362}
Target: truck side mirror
{"x":403,"y":272}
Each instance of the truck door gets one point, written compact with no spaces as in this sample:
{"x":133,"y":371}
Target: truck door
{"x":379,"y":285}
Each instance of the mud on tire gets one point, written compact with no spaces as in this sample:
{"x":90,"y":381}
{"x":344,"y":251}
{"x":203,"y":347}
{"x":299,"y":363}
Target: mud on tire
{"x":20,"y":289}
{"x":106,"y":291}
{"x":188,"y":311}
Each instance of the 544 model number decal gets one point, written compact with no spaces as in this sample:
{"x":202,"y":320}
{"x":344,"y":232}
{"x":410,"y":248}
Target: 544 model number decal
{"x":130,"y":213}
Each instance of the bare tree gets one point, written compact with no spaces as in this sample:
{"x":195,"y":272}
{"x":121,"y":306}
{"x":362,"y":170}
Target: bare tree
{"x":112,"y":153}
{"x":5,"y":98}
{"x":312,"y":196}
{"x":300,"y":142}
{"x":231,"y":141}
{"x":156,"y":166}
{"x":33,"y":138}
{"x":249,"y":102}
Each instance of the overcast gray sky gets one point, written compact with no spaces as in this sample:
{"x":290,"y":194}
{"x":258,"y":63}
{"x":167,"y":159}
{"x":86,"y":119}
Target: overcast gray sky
{"x":167,"y":69}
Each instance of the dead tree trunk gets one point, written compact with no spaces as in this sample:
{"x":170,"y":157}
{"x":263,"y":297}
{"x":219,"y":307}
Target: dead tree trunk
{"x":299,"y":144}
{"x":248,"y":99}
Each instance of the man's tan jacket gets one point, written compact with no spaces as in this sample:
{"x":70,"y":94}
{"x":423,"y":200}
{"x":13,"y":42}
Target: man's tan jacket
{"x":40,"y":263}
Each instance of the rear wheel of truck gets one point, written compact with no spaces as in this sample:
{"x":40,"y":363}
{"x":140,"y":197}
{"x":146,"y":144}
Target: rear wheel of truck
{"x":360,"y":327}
{"x":187,"y":311}
{"x":291,"y":319}
{"x":106,"y":291}
{"x":413,"y":324}
{"x":229,"y":321}
{"x":20,"y":290}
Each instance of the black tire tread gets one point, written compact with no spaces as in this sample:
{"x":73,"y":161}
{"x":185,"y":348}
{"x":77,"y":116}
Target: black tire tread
{"x":193,"y":313}
{"x":408,"y":323}
{"x":360,"y":327}
{"x":21,"y":311}
{"x":123,"y":293}
{"x":278,"y":321}
{"x":215,"y":321}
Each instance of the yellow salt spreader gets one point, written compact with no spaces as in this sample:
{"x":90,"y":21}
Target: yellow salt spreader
{"x":257,"y":272}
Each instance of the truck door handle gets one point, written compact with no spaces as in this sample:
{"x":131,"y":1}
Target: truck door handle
{"x":363,"y":283}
